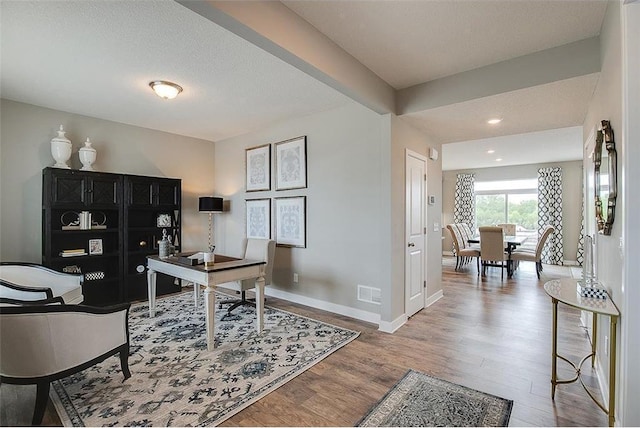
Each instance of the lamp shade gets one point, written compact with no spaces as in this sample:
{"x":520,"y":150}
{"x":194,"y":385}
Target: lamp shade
{"x":210,"y":204}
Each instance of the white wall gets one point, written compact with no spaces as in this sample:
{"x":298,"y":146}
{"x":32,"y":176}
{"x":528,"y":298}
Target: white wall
{"x":571,"y":197}
{"x":25,"y":137}
{"x":345,"y":203}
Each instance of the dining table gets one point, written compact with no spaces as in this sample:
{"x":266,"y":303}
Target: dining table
{"x":511,"y":242}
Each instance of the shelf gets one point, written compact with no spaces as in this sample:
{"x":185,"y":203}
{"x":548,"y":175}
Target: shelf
{"x":58,"y":259}
{"x":70,"y":231}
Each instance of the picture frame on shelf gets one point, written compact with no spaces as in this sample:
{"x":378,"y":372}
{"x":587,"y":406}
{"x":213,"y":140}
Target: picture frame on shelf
{"x":95,"y":247}
{"x":291,"y":163}
{"x":163,"y":220}
{"x":258,"y":168}
{"x":258,"y":218}
{"x":291,"y":221}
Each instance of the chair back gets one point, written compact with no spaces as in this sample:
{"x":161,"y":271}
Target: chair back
{"x":548,"y":230}
{"x":492,"y":243}
{"x":509,"y":228}
{"x":261,"y":249}
{"x":454,"y":238}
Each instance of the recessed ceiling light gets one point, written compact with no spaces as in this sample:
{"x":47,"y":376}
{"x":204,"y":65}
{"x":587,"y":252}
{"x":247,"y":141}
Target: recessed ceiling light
{"x":491,"y":151}
{"x":164,"y":89}
{"x":494,"y":121}
{"x":499,"y":160}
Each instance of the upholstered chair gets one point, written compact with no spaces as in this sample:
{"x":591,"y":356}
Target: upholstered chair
{"x":47,"y":341}
{"x":534,"y":256}
{"x":462,"y":254}
{"x":31,"y":281}
{"x":492,"y":248}
{"x":509,"y":228}
{"x":253,"y":249}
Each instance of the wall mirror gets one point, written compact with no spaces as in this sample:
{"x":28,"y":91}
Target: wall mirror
{"x":606,"y":170}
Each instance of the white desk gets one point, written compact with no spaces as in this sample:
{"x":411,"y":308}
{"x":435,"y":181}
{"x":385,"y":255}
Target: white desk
{"x":226,"y":270}
{"x":564,"y":290}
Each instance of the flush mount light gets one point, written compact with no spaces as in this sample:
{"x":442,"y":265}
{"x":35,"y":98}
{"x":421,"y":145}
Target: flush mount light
{"x":494,"y":121}
{"x":491,"y":151}
{"x":164,"y":89}
{"x":499,"y":160}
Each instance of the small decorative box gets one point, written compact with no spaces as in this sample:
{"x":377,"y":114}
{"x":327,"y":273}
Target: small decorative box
{"x":591,"y":291}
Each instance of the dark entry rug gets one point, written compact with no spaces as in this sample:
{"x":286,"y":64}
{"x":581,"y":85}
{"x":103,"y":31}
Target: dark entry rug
{"x":422,"y":400}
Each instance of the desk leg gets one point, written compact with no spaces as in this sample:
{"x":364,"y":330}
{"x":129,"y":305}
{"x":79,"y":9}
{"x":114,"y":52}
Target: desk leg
{"x":196,"y":293}
{"x":260,"y":303}
{"x":594,"y":338}
{"x":554,"y":349}
{"x":210,"y":315}
{"x":612,"y":369}
{"x":151,"y":286}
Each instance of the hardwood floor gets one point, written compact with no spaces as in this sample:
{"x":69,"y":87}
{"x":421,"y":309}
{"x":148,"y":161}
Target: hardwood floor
{"x":485,"y":333}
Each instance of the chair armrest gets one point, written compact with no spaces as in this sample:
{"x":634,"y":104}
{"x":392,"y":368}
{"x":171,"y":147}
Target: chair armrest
{"x":10,"y":290}
{"x":4,"y":301}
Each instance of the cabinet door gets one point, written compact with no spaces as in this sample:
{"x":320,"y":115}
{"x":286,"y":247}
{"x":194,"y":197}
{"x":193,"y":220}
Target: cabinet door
{"x":67,"y":188}
{"x":168,"y":192}
{"x":103,"y":191}
{"x":139,"y":192}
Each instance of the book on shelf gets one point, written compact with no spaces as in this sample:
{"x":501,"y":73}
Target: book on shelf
{"x":73,"y":253}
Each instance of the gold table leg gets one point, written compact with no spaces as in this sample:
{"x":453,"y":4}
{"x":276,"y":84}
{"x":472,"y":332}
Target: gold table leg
{"x":612,"y":369}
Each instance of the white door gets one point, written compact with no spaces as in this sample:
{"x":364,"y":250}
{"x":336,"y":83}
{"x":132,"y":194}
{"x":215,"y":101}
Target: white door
{"x":415,"y":176}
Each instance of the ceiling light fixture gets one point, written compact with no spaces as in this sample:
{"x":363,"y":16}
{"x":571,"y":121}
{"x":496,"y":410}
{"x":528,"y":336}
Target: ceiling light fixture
{"x":491,"y":151}
{"x":494,"y":121}
{"x":499,"y":160}
{"x":164,"y":89}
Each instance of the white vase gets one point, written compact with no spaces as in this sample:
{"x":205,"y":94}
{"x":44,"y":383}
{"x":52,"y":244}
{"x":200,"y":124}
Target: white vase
{"x":61,"y":149}
{"x":87,"y":156}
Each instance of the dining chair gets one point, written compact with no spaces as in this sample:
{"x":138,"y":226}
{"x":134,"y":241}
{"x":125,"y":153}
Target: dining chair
{"x":463,"y":254}
{"x":533,"y":256}
{"x":509,"y":228}
{"x":492,"y":248}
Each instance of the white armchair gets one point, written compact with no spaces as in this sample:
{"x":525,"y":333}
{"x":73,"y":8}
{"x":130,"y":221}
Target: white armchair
{"x":254,"y":249}
{"x":30,"y":281}
{"x":42,"y":343}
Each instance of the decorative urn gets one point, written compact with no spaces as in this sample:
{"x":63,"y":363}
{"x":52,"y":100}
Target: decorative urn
{"x":61,"y":149}
{"x":87,"y":156}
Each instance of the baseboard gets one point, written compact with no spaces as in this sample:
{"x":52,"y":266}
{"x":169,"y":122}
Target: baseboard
{"x":447,"y":253}
{"x":434,"y":298}
{"x":391,"y":327}
{"x":570,"y":263}
{"x":347,"y":311}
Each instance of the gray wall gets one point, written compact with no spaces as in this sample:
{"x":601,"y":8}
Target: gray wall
{"x":25,"y":149}
{"x":571,"y":197}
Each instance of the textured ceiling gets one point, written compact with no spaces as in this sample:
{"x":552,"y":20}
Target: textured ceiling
{"x":96,"y":58}
{"x":414,"y":41}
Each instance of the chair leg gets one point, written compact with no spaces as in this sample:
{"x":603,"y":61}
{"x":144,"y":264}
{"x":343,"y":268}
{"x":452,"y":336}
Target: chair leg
{"x":478,"y":264}
{"x":124,"y":362}
{"x":42,"y":398}
{"x":243,"y":301}
{"x":457,"y":262}
{"x":538,"y":269}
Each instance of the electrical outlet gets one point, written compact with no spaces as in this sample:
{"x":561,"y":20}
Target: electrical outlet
{"x":295,"y":277}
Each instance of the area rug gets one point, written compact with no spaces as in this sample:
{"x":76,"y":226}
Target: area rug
{"x":176,"y":382}
{"x":422,"y":400}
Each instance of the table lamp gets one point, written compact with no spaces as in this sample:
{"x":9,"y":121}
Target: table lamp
{"x":210,"y":205}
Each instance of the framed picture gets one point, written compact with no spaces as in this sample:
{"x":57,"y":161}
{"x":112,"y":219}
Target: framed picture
{"x":258,"y":168}
{"x":291,"y":221}
{"x":291,"y":164}
{"x":95,"y":247}
{"x":259,"y":218}
{"x":163,"y":220}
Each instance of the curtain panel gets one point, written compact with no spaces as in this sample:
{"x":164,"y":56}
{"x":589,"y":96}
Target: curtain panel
{"x":465,"y":200}
{"x":550,"y":212}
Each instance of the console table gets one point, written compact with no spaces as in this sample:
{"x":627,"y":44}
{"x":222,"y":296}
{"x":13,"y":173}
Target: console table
{"x":227,"y":270}
{"x":565,"y":291}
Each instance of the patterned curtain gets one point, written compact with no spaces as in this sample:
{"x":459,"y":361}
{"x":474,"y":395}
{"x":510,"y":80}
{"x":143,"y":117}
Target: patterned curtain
{"x":465,"y":200}
{"x":550,"y":212}
{"x":580,"y":254}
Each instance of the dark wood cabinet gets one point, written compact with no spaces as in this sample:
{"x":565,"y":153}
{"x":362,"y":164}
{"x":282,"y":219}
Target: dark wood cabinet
{"x":128,"y":214}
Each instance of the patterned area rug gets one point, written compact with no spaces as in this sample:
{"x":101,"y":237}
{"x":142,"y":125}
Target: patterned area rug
{"x":422,"y":400}
{"x":176,"y":382}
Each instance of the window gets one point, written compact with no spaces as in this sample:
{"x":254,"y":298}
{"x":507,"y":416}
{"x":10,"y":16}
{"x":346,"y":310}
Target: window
{"x":512,"y":201}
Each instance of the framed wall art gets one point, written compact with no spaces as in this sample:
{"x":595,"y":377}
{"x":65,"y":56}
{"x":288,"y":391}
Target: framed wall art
{"x":258,"y":218}
{"x":258,"y":168}
{"x":291,"y":163}
{"x":291,"y":221}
